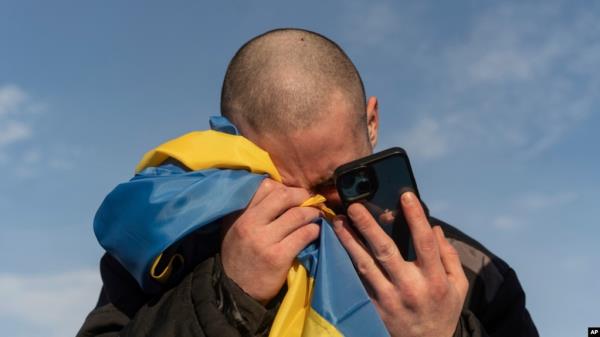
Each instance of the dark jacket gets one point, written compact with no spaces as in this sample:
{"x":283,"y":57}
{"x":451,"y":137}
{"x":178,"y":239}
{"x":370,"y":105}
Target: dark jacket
{"x":207,"y":303}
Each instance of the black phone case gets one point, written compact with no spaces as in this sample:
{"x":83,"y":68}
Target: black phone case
{"x":400,"y":232}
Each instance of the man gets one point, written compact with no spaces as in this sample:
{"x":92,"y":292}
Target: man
{"x":297,"y":95}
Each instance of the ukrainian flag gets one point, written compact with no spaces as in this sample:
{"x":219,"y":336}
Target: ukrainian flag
{"x":142,"y":222}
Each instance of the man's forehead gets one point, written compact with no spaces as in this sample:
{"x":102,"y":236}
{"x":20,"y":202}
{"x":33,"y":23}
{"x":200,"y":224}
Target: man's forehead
{"x":310,"y":158}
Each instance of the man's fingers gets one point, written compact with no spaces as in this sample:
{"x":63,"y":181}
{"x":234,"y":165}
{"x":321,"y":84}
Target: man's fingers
{"x":449,"y":255}
{"x":424,"y":240}
{"x":451,"y":261}
{"x":292,"y":244}
{"x":383,"y":247}
{"x":364,"y":263}
{"x":266,"y":186}
{"x":277,"y":201}
{"x":291,"y":220}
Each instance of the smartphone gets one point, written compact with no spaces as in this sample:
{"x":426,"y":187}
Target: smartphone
{"x":377,"y":181}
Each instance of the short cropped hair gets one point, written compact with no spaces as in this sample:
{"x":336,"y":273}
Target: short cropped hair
{"x":277,"y":81}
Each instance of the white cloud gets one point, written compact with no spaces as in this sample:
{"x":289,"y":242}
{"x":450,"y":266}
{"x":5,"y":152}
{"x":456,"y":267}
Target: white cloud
{"x":13,"y":131}
{"x":13,"y":102}
{"x":425,"y":139}
{"x":517,"y":75}
{"x":519,"y":79}
{"x":524,"y":207}
{"x":507,"y":43}
{"x":12,"y":99}
{"x":538,"y":201}
{"x":54,"y":305}
{"x":18,"y":143}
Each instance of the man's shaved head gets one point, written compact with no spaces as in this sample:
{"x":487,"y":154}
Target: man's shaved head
{"x":285,"y":80}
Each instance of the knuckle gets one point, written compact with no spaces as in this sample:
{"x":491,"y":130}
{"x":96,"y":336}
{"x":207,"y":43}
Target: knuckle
{"x":365,"y":266}
{"x":314,"y":230}
{"x":439,"y":290}
{"x":411,"y":296}
{"x":386,"y":251}
{"x":285,"y":195}
{"x":267,"y":184}
{"x":427,"y":243}
{"x":463,"y":284}
{"x":388,"y":299}
{"x":241,"y":230}
{"x":450,"y":250}
{"x":310,"y":232}
{"x":247,"y":217}
{"x":271,"y":257}
{"x":389,"y":290}
{"x":464,"y":289}
{"x":296,"y":215}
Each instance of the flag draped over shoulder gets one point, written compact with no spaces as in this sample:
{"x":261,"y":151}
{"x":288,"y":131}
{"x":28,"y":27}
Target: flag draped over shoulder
{"x":141,"y":220}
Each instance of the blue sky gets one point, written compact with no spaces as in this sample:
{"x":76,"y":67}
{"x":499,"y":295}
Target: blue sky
{"x":496,"y":102}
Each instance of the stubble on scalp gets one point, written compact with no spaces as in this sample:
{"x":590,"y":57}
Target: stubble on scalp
{"x":282,"y":81}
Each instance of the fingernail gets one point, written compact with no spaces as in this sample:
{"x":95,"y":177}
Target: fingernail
{"x":353,"y":210}
{"x":408,"y":198}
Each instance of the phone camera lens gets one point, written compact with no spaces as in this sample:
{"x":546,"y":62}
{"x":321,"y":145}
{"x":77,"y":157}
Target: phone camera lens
{"x":356,"y":184}
{"x":347,"y":181}
{"x":363,"y":186}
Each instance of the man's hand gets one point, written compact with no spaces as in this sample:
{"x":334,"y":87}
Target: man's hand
{"x":260,"y":245}
{"x":421,"y":298}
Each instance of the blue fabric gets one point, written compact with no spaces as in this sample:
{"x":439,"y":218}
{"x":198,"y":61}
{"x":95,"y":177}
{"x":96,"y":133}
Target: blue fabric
{"x":338,"y":294}
{"x":222,"y":124}
{"x":160,"y":206}
{"x":140,"y":218}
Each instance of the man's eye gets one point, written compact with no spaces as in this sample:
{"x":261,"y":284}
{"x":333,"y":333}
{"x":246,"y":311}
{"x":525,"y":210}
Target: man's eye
{"x":324,"y":185}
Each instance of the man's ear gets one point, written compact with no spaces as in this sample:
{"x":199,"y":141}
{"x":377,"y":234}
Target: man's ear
{"x":372,"y":120}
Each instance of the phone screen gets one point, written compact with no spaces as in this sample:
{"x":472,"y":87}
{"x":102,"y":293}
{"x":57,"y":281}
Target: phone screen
{"x":377,"y":181}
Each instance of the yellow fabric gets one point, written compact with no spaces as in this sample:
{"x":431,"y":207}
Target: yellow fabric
{"x":200,"y":150}
{"x":164,"y":275}
{"x":295,"y":317}
{"x":318,"y":201}
{"x":317,"y":326}
{"x":295,"y":306}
